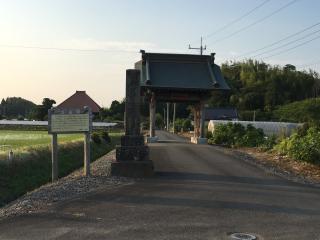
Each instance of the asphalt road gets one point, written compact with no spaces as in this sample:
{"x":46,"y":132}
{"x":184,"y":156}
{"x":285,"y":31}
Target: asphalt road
{"x":198,"y":193}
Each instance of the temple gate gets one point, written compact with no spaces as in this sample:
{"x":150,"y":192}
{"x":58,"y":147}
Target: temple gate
{"x":179,"y":78}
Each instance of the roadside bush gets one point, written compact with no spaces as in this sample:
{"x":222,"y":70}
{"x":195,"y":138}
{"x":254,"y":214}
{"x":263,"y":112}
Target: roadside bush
{"x":269,"y":142}
{"x":253,"y":137}
{"x":105,"y":136}
{"x":182,"y":124}
{"x":302,"y":147}
{"x":186,"y":125}
{"x":95,"y":137}
{"x":236,"y":135}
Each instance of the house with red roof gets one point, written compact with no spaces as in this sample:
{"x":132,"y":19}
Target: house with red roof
{"x":79,"y":100}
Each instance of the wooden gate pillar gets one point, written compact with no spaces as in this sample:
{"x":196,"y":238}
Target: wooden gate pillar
{"x":202,"y":120}
{"x":199,"y":124}
{"x":196,"y":112}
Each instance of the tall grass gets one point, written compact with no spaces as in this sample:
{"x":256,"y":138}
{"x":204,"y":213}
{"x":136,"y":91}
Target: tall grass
{"x":34,"y":169}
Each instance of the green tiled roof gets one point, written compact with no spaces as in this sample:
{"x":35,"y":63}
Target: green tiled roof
{"x":180,"y":71}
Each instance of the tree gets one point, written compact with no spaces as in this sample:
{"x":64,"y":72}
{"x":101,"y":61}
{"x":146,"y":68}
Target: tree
{"x":115,"y":112}
{"x":47,"y":103}
{"x":41,"y":111}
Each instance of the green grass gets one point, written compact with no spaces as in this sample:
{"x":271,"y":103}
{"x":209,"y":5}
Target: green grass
{"x":26,"y":139}
{"x":33,"y":168}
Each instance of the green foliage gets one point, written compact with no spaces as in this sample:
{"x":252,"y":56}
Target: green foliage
{"x":182,"y":125}
{"x":302,"y":111}
{"x":114,"y":113}
{"x":18,"y":139}
{"x":105,"y":136}
{"x":253,"y":137}
{"x":236,"y":135}
{"x":40,"y":112}
{"x":261,"y":87}
{"x":186,"y":125}
{"x":12,"y":107}
{"x":304,"y":147}
{"x":159,"y":121}
{"x":95,"y":137}
{"x":34,"y":170}
{"x":269,"y":142}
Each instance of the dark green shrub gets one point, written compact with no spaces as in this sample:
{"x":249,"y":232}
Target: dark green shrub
{"x":253,"y":137}
{"x":303,"y":148}
{"x":269,"y":142}
{"x":237,"y":135}
{"x":95,"y":137}
{"x":105,"y":136}
{"x":186,"y":125}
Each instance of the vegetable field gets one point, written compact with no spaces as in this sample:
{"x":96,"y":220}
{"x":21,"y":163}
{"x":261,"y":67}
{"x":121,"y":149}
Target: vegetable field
{"x":24,"y":139}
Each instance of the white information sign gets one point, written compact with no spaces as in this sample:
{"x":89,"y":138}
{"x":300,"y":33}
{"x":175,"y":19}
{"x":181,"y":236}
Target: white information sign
{"x":61,"y":123}
{"x":69,"y":121}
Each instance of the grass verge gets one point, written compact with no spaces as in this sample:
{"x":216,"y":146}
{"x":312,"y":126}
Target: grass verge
{"x":34,"y":170}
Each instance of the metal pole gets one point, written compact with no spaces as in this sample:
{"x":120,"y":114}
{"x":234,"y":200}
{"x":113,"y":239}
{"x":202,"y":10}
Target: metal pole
{"x":168,"y":128}
{"x":86,"y":147}
{"x":174,"y":117}
{"x":54,"y":173}
{"x":164,"y":117}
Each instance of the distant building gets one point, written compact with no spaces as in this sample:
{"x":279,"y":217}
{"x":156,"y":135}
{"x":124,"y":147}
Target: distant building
{"x":79,"y":100}
{"x":221,"y":114}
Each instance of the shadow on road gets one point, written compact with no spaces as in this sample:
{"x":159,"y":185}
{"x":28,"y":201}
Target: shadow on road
{"x":136,"y":199}
{"x":221,"y":178}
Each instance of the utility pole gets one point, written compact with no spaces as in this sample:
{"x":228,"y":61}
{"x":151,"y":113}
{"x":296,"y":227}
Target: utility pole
{"x":201,"y":48}
{"x":174,"y":117}
{"x":164,"y":118}
{"x":168,"y":127}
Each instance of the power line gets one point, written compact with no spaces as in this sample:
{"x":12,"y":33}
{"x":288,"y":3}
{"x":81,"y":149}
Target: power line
{"x":256,"y":22}
{"x":236,"y":20}
{"x":284,"y":45}
{"x":66,"y":49}
{"x":279,"y":41}
{"x":294,"y":47}
{"x":310,"y":64}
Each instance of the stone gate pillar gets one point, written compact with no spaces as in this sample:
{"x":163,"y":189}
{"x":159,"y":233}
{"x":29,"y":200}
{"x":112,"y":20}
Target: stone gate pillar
{"x":132,"y":156}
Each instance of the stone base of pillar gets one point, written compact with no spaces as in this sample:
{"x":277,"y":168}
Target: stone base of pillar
{"x":132,"y":153}
{"x":132,"y":158}
{"x":152,"y":139}
{"x":196,"y":140}
{"x":134,"y":169}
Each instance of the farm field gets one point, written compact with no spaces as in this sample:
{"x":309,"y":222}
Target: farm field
{"x":11,"y":139}
{"x":30,"y":166}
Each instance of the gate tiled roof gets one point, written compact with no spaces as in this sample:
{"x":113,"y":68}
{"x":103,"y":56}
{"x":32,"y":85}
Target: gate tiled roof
{"x":180,"y":71}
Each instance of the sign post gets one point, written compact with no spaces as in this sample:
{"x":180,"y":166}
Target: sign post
{"x":68,"y":121}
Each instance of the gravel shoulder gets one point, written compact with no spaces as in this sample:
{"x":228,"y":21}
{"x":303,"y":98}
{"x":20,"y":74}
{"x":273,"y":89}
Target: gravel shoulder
{"x":282,"y":166}
{"x":72,"y":186}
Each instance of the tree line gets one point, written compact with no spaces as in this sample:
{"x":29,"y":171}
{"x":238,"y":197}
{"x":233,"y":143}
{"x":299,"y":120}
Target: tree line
{"x":262,"y":88}
{"x":20,"y":108}
{"x":257,"y":89}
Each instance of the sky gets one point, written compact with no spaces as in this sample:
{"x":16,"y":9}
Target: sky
{"x":51,"y":48}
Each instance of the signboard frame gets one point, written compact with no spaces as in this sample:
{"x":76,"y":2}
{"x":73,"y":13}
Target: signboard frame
{"x":86,"y":111}
{"x":69,"y":112}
